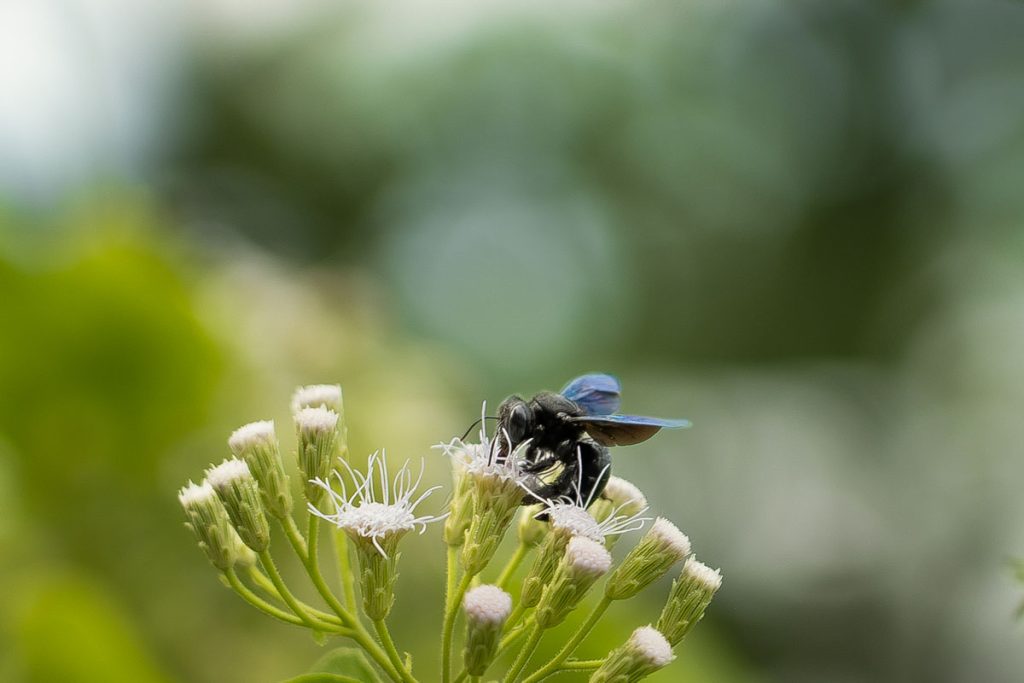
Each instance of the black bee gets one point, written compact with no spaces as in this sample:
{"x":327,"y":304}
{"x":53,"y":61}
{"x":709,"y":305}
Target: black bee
{"x":572,"y":429}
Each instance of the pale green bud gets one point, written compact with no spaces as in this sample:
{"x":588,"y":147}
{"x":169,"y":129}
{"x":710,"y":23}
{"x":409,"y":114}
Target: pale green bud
{"x":661,"y":547}
{"x":645,"y":652}
{"x":237,"y":490}
{"x":378,"y":571}
{"x":566,"y":522}
{"x":583,"y":563}
{"x":531,"y":531}
{"x":460,"y":510}
{"x":316,"y":429}
{"x":209,"y":522}
{"x":327,"y":396}
{"x":487,"y":608}
{"x":690,"y":595}
{"x":256,"y":444}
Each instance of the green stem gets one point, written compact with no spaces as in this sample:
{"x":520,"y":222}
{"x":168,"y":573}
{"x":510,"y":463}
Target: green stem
{"x":267,"y":586}
{"x":513,"y":564}
{"x":574,"y":642}
{"x":259,"y":603}
{"x":581,"y":664}
{"x":359,"y":633}
{"x":392,"y":651}
{"x":282,"y":590}
{"x":524,"y":654}
{"x":451,"y":611}
{"x":348,"y":585}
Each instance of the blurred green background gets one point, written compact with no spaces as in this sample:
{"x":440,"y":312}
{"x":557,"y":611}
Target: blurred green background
{"x":797,"y":224}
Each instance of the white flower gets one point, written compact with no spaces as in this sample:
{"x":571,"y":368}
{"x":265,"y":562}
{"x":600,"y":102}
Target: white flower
{"x":487,"y":604}
{"x":314,"y":420}
{"x":649,"y":645}
{"x":710,"y":579}
{"x":674,"y":539}
{"x":227,"y":473}
{"x":317,"y":395}
{"x":380,"y":507}
{"x":250,"y":435}
{"x":196,"y":494}
{"x":587,"y":557}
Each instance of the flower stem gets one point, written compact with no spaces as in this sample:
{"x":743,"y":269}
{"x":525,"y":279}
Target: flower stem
{"x":282,"y":590}
{"x":580,"y":664}
{"x":574,"y":642}
{"x":259,"y":603}
{"x":524,"y":654}
{"x":513,"y":564}
{"x":389,"y":646}
{"x":348,"y":586}
{"x":451,"y":611}
{"x":267,"y":586}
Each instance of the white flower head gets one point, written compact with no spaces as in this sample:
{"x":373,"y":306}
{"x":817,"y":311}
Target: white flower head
{"x":227,"y":473}
{"x":317,"y":396}
{"x":194,"y":494}
{"x":381,"y":506}
{"x":250,"y":435}
{"x":623,"y":493}
{"x":669,"y":534}
{"x":710,"y":579}
{"x":487,"y":604}
{"x":649,"y":645}
{"x":588,"y":557}
{"x":316,"y":420}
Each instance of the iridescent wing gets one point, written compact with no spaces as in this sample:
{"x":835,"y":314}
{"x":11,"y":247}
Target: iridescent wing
{"x":625,"y":430}
{"x":597,"y":394}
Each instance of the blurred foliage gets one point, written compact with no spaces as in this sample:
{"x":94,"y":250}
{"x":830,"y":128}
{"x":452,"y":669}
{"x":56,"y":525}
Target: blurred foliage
{"x":798,"y":224}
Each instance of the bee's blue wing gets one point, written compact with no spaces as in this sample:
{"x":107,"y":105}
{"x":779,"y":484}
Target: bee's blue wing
{"x":597,"y":394}
{"x":625,"y":430}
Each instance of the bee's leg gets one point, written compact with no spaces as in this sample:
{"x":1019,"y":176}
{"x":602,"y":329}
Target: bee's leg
{"x":563,"y":485}
{"x":596,"y":470}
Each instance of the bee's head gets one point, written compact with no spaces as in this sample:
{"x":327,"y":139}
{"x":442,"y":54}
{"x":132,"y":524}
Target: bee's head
{"x":516,"y":419}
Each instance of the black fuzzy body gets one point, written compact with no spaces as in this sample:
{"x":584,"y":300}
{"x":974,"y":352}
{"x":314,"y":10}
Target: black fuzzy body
{"x":554,"y":441}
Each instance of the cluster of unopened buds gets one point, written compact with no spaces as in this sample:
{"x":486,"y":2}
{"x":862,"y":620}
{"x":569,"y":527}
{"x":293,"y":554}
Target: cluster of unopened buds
{"x":369,"y":511}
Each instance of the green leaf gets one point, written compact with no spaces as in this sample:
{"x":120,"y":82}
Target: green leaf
{"x":322,"y":678}
{"x":346,"y":662}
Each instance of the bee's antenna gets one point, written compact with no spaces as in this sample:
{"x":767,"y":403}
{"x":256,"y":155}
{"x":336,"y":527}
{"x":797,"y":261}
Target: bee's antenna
{"x":485,"y":417}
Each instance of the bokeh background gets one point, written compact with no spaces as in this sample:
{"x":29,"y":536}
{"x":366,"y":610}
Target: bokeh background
{"x":798,"y":224}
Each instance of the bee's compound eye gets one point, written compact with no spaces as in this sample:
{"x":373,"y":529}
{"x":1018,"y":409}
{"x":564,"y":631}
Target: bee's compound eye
{"x":520,"y":423}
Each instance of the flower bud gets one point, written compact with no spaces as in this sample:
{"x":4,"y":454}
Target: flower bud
{"x":690,"y":595}
{"x":317,"y":434}
{"x":378,"y":572}
{"x":256,"y":444}
{"x":645,"y":652}
{"x":567,"y":521}
{"x":327,"y":396}
{"x":584,"y":562}
{"x":237,"y":490}
{"x":209,"y":522}
{"x":660,"y":548}
{"x":487,"y":608}
{"x":531,"y":531}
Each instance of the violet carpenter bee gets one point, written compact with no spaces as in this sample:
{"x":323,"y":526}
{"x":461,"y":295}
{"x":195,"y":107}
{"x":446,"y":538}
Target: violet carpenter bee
{"x":572,"y":430}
